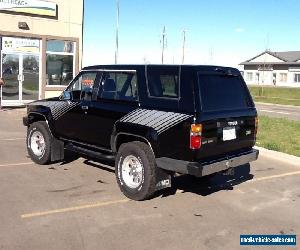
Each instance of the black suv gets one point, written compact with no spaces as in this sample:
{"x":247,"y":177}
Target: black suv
{"x":152,"y":120}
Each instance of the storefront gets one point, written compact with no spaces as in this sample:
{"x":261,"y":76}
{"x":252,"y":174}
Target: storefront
{"x":41,"y":48}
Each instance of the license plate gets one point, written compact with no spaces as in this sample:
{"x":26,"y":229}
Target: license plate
{"x":229,"y":134}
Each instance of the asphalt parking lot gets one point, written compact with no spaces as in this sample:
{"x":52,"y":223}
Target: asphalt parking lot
{"x":77,"y":204}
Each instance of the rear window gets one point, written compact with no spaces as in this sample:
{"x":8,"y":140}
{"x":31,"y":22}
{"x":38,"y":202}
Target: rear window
{"x":220,"y":92}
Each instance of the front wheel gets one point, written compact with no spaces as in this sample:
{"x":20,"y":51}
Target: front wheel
{"x":39,"y":142}
{"x":136,"y":170}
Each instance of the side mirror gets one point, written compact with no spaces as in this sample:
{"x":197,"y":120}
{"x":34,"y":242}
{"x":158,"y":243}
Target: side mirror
{"x":66,"y":95}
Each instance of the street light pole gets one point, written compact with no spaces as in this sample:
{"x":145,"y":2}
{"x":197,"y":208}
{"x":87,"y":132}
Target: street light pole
{"x":163,"y":41}
{"x":117,"y":33}
{"x":183,"y":46}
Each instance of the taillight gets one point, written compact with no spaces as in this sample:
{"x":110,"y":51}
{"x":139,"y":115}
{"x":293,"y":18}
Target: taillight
{"x":195,"y":136}
{"x":256,"y":125}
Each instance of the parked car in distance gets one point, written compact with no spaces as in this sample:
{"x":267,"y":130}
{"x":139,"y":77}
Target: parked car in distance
{"x":152,"y":120}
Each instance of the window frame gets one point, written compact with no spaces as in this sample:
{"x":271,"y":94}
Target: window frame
{"x":248,"y":74}
{"x":103,"y":78}
{"x":62,"y":54}
{"x":178,"y":98}
{"x":298,"y":77}
{"x":281,"y":74}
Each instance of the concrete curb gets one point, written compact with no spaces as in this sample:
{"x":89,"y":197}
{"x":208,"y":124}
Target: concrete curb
{"x":294,"y":160}
{"x":278,"y":105}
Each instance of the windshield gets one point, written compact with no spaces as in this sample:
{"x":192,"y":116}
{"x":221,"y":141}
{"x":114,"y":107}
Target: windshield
{"x":221,"y":92}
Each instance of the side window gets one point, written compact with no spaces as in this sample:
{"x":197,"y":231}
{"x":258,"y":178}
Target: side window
{"x":163,"y":83}
{"x":83,"y":84}
{"x":119,"y":86}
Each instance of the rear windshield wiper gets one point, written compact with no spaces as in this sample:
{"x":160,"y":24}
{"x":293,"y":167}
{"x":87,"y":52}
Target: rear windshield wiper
{"x":226,"y":72}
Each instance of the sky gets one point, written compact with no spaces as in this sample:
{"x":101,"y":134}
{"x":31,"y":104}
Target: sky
{"x":217,"y":32}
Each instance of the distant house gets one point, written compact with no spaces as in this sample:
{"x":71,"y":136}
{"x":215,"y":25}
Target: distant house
{"x":273,"y":68}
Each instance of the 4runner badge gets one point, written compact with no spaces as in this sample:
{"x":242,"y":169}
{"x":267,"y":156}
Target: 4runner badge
{"x":233,"y":123}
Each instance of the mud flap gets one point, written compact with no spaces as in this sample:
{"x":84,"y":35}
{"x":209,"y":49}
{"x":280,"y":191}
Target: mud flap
{"x":57,"y":150}
{"x":163,"y":179}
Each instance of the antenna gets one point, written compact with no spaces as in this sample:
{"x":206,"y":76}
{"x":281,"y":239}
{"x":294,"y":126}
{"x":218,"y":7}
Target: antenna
{"x":183,"y":46}
{"x":117,"y":32}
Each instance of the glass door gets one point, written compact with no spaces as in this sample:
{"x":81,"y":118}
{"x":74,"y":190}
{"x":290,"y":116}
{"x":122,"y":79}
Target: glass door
{"x":21,"y":76}
{"x":11,"y":75}
{"x":30,"y":77}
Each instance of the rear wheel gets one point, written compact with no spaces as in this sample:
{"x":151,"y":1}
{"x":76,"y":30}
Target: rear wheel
{"x":39,"y":142}
{"x":136,"y":170}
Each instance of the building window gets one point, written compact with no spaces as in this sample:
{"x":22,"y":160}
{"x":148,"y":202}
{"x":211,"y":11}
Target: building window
{"x":60,"y":62}
{"x":297,"y":78}
{"x":249,"y":76}
{"x":283,"y":77}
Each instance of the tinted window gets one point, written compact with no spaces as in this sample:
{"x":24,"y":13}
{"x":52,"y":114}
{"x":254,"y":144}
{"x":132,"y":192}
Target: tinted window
{"x":119,"y":86}
{"x":220,"y":92}
{"x":163,"y":83}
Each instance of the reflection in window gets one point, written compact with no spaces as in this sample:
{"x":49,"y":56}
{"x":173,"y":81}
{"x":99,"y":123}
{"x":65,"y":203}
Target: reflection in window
{"x":59,"y":62}
{"x":59,"y":69}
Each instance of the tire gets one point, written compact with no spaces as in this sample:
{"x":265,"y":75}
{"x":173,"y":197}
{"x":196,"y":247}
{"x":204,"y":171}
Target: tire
{"x":143,"y":167}
{"x":39,"y":143}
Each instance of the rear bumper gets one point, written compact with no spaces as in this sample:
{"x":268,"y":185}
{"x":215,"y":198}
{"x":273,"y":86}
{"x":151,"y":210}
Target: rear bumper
{"x":207,"y":168}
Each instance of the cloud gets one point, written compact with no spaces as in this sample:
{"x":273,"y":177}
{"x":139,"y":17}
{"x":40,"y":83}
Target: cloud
{"x":239,"y":30}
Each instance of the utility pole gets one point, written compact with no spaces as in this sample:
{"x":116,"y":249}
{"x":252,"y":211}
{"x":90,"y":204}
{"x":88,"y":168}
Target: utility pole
{"x":264,"y":65}
{"x":117,"y":32}
{"x":183,"y":46}
{"x":164,"y":44}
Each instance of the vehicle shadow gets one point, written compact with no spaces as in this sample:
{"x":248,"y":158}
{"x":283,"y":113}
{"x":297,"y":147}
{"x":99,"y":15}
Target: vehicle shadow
{"x":105,"y":165}
{"x":209,"y":184}
{"x":184,"y":183}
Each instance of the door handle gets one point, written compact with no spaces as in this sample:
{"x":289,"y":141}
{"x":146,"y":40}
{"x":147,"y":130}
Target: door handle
{"x":21,"y":78}
{"x":85,"y":107}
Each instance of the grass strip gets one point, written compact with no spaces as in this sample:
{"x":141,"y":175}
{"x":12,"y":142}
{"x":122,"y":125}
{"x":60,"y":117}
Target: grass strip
{"x":276,"y":95}
{"x":279,"y":134}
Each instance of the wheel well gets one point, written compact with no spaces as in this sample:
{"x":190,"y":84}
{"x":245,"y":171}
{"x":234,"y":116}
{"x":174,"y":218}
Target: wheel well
{"x":124,"y":138}
{"x":35,"y":118}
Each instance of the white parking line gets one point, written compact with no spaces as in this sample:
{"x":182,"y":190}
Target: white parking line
{"x":274,"y":176}
{"x":71,"y":209}
{"x":13,"y":139}
{"x":16,"y":164}
{"x":278,"y":112}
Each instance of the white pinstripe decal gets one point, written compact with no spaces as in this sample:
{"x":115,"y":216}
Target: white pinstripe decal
{"x":58,"y":108}
{"x":156,"y":119}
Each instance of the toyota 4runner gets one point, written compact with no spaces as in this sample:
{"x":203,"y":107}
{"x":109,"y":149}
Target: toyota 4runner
{"x":152,"y":120}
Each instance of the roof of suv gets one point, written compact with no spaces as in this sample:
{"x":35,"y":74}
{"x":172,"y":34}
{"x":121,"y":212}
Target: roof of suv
{"x":142,"y":66}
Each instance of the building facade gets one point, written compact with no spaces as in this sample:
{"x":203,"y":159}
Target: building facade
{"x":273,"y":68}
{"x":41,"y":48}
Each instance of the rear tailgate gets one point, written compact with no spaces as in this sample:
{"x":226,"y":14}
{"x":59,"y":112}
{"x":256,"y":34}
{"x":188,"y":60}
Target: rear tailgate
{"x":223,"y":136}
{"x":228,"y":115}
